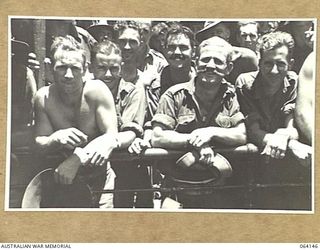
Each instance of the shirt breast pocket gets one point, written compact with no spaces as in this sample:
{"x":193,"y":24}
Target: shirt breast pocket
{"x":186,"y":123}
{"x":223,"y":121}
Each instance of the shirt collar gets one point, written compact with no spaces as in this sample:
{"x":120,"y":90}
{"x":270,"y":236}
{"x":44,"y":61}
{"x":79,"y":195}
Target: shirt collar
{"x":123,"y":89}
{"x":149,"y":58}
{"x":258,"y":92}
{"x":224,"y":88}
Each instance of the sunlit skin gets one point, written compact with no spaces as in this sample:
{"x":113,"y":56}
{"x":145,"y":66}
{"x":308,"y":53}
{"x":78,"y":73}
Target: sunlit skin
{"x":68,"y":71}
{"x":107,"y":68}
{"x":213,"y":65}
{"x":67,"y":111}
{"x":274,"y":66}
{"x":129,"y":42}
{"x":179,"y":50}
{"x":248,"y":36}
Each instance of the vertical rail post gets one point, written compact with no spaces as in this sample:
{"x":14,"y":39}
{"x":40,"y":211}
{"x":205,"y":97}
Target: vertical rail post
{"x":40,"y":48}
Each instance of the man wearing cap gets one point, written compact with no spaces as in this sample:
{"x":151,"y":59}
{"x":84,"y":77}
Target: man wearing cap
{"x":130,"y":107}
{"x":267,"y":97}
{"x":244,"y":60}
{"x":214,"y":28}
{"x":77,"y":118}
{"x":198,"y":114}
{"x":102,"y":30}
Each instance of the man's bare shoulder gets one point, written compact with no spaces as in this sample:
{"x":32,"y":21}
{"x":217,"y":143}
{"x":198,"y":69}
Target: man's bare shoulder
{"x":96,"y":90}
{"x":307,"y":68}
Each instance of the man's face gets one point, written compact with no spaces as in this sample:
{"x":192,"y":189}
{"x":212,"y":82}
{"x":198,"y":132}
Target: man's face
{"x":301,"y":32}
{"x":248,"y":36}
{"x":221,"y":30}
{"x":178,"y":50}
{"x":107,"y":68}
{"x":129,"y":42}
{"x":213,"y":65}
{"x":274,"y":65}
{"x":145,"y":32}
{"x":68,"y":70}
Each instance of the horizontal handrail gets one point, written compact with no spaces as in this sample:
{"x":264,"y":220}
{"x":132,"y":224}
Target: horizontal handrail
{"x":165,"y":154}
{"x":252,"y":186}
{"x":159,"y":153}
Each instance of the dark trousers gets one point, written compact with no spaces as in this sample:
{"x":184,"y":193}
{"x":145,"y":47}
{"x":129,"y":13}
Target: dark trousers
{"x":130,"y":175}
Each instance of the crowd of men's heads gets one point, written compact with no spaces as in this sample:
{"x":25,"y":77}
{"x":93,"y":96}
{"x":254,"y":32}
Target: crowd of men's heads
{"x":181,"y":43}
{"x":175,"y":40}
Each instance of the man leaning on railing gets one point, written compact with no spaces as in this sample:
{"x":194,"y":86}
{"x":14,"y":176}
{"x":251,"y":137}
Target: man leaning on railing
{"x":197,"y":115}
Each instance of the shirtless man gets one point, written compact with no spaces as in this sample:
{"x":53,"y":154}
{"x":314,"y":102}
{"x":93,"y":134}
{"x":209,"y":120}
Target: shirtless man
{"x":75,"y":115}
{"x":304,"y":105}
{"x":303,"y":113}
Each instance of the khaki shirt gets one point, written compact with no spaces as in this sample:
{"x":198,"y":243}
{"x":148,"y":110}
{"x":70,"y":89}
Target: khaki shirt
{"x":269,"y":113}
{"x":130,"y":107}
{"x":149,"y":77}
{"x":179,"y":110}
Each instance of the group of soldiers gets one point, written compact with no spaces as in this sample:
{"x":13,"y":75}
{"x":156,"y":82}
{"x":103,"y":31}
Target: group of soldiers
{"x":134,"y":85}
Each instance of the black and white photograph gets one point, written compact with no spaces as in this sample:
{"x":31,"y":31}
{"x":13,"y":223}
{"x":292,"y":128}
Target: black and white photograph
{"x":154,"y":114}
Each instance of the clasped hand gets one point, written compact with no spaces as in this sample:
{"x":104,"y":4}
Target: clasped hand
{"x":206,"y":155}
{"x":96,"y":153}
{"x":69,"y":138}
{"x":138,"y":145}
{"x":276,"y":146}
{"x":199,"y":137}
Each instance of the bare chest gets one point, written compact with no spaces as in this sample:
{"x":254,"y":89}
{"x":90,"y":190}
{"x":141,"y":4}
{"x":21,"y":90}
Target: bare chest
{"x":80,"y":116}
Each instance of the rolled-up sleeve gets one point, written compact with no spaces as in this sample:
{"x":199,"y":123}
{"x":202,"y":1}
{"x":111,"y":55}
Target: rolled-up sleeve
{"x":165,"y":114}
{"x":134,"y":112}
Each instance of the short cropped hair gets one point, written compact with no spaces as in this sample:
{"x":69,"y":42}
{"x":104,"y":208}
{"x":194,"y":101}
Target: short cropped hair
{"x":218,"y":42}
{"x":105,"y":47}
{"x":122,"y":25}
{"x":67,"y":43}
{"x":246,"y":22}
{"x":179,"y":29}
{"x":274,"y":40}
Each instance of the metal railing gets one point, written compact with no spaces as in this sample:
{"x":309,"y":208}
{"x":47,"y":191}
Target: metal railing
{"x":247,"y":153}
